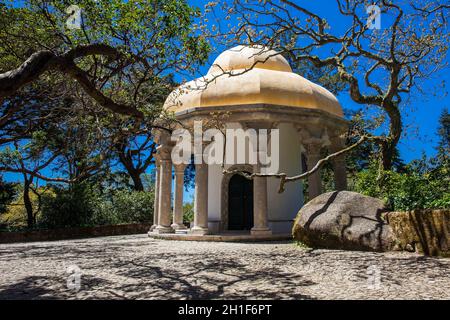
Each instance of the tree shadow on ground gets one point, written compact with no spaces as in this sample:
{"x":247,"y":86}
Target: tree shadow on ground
{"x":45,"y":288}
{"x":154,"y":276}
{"x":215,"y":278}
{"x":121,"y":270}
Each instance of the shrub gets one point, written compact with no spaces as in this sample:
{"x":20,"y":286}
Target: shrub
{"x":405,"y":191}
{"x":84,"y":205}
{"x":7,"y":194}
{"x":81,"y":205}
{"x":133,"y":206}
{"x":15,"y":216}
{"x":188,"y":213}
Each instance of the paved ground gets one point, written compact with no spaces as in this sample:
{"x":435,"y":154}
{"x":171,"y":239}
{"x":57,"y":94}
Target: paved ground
{"x":136,"y":267}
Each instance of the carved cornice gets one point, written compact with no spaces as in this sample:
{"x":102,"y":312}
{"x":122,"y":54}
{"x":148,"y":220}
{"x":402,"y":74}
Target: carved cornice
{"x":266,"y":113}
{"x":259,"y":125}
{"x":162,"y":137}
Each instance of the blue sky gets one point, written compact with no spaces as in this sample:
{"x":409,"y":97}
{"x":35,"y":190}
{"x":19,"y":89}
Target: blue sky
{"x":422,"y":111}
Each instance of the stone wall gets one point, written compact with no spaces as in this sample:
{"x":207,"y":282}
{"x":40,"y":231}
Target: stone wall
{"x":423,"y":231}
{"x":73,"y":233}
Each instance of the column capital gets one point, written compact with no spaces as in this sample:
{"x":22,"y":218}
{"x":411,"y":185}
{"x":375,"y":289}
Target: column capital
{"x":157,"y":158}
{"x":164,"y":153}
{"x":312,"y":149}
{"x":337,"y":140}
{"x":313,"y":137}
{"x":337,"y":133}
{"x":161,"y":136}
{"x":180,"y":168}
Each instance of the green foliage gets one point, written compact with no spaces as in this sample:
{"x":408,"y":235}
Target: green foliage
{"x":422,"y":184}
{"x":15,"y":216}
{"x":80,"y":205}
{"x":409,"y":190}
{"x":133,"y":206}
{"x":7,"y":194}
{"x":56,"y":119}
{"x":9,"y":156}
{"x":188,"y":212}
{"x":156,"y":30}
{"x":301,"y":245}
{"x":84,"y":205}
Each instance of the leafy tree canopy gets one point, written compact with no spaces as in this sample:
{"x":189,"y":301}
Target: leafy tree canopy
{"x":119,"y":47}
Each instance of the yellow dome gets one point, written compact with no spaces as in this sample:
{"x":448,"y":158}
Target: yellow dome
{"x":244,"y":57}
{"x":251,"y":75}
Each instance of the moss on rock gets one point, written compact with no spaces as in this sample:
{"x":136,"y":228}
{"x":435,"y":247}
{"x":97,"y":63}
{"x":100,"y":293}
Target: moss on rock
{"x":424,"y":231}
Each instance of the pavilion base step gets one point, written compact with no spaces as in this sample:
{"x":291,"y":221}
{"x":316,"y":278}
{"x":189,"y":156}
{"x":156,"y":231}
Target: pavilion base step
{"x":223,"y":237}
{"x":181,"y":231}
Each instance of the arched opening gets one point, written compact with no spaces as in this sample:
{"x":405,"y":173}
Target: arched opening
{"x":240,"y":203}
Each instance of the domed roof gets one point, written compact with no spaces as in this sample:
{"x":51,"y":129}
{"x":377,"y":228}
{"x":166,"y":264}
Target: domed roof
{"x":244,"y":57}
{"x":251,"y":75}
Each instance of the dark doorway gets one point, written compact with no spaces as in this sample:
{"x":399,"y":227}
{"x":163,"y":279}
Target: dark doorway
{"x":240,"y":203}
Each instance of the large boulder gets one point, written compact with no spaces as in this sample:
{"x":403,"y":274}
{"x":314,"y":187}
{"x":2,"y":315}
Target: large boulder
{"x":344,"y":220}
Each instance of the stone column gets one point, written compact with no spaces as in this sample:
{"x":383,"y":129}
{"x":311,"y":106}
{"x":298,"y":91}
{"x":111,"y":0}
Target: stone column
{"x":165,"y":190}
{"x":260,"y":215}
{"x":178,"y":198}
{"x":313,"y":139}
{"x":201,"y":200}
{"x":339,"y":165}
{"x":314,"y":180}
{"x":156,"y":203}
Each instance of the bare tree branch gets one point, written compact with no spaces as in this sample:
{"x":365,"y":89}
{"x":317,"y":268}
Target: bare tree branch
{"x":42,"y":61}
{"x":285,"y":179}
